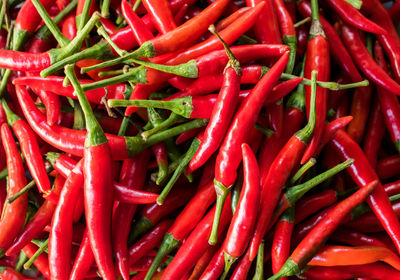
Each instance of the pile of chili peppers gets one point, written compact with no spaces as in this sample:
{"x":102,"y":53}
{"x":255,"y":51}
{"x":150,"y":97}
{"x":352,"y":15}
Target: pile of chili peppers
{"x":184,"y":139}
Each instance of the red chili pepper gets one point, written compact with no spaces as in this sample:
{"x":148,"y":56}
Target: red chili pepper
{"x":148,"y":242}
{"x":389,"y":103}
{"x":215,"y":267}
{"x":160,"y":14}
{"x":153,"y":213}
{"x":222,"y":112}
{"x":355,"y":238}
{"x":373,"y":270}
{"x":352,"y":16}
{"x":281,"y":243}
{"x":41,"y":262}
{"x":343,"y":255}
{"x":392,"y":188}
{"x":38,"y":222}
{"x":293,"y":118}
{"x":84,"y":259}
{"x":266,"y":28}
{"x":317,"y":59}
{"x":97,"y":184}
{"x":30,"y":150}
{"x":196,"y":244}
{"x":13,"y":215}
{"x":388,"y":167}
{"x":139,"y":29}
{"x":133,"y":175}
{"x":312,"y":204}
{"x":311,"y":244}
{"x":8,"y":273}
{"x":364,"y":60}
{"x":362,"y":173}
{"x":359,"y":110}
{"x":242,"y":268}
{"x":184,"y":223}
{"x":244,"y":119}
{"x":390,"y":40}
{"x":288,"y":32}
{"x":374,"y":134}
{"x":244,"y":219}
{"x":61,"y":226}
{"x":281,"y":168}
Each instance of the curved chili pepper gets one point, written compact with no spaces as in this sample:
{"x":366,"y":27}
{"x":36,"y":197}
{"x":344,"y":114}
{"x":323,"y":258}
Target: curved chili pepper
{"x":352,"y":16}
{"x":362,"y":173}
{"x":84,"y":259}
{"x":390,"y":40}
{"x":72,"y":141}
{"x":196,"y":244}
{"x":364,"y":60}
{"x":184,"y":223}
{"x":10,"y":274}
{"x":30,"y":150}
{"x":97,"y":184}
{"x":329,"y":256}
{"x":281,"y":242}
{"x":160,"y":14}
{"x":244,"y":219}
{"x":317,"y":59}
{"x":41,"y":219}
{"x":389,"y":103}
{"x":222,"y":113}
{"x":279,"y":172}
{"x":311,"y":244}
{"x":244,"y":119}
{"x":133,"y":175}
{"x":148,"y":242}
{"x":373,"y":270}
{"x":13,"y":216}
{"x":61,"y":226}
{"x":374,"y":134}
{"x":139,"y":29}
{"x":215,"y":267}
{"x":388,"y":167}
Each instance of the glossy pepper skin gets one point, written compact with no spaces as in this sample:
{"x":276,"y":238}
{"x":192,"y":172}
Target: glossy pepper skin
{"x":13,"y":216}
{"x":228,"y":158}
{"x":362,"y":173}
{"x":244,"y":218}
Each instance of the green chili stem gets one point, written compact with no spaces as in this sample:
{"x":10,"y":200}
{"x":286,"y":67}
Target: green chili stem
{"x":105,"y":9}
{"x":39,"y":251}
{"x":301,"y":22}
{"x":51,"y":25}
{"x":95,"y":134}
{"x":310,"y":163}
{"x":83,"y":17}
